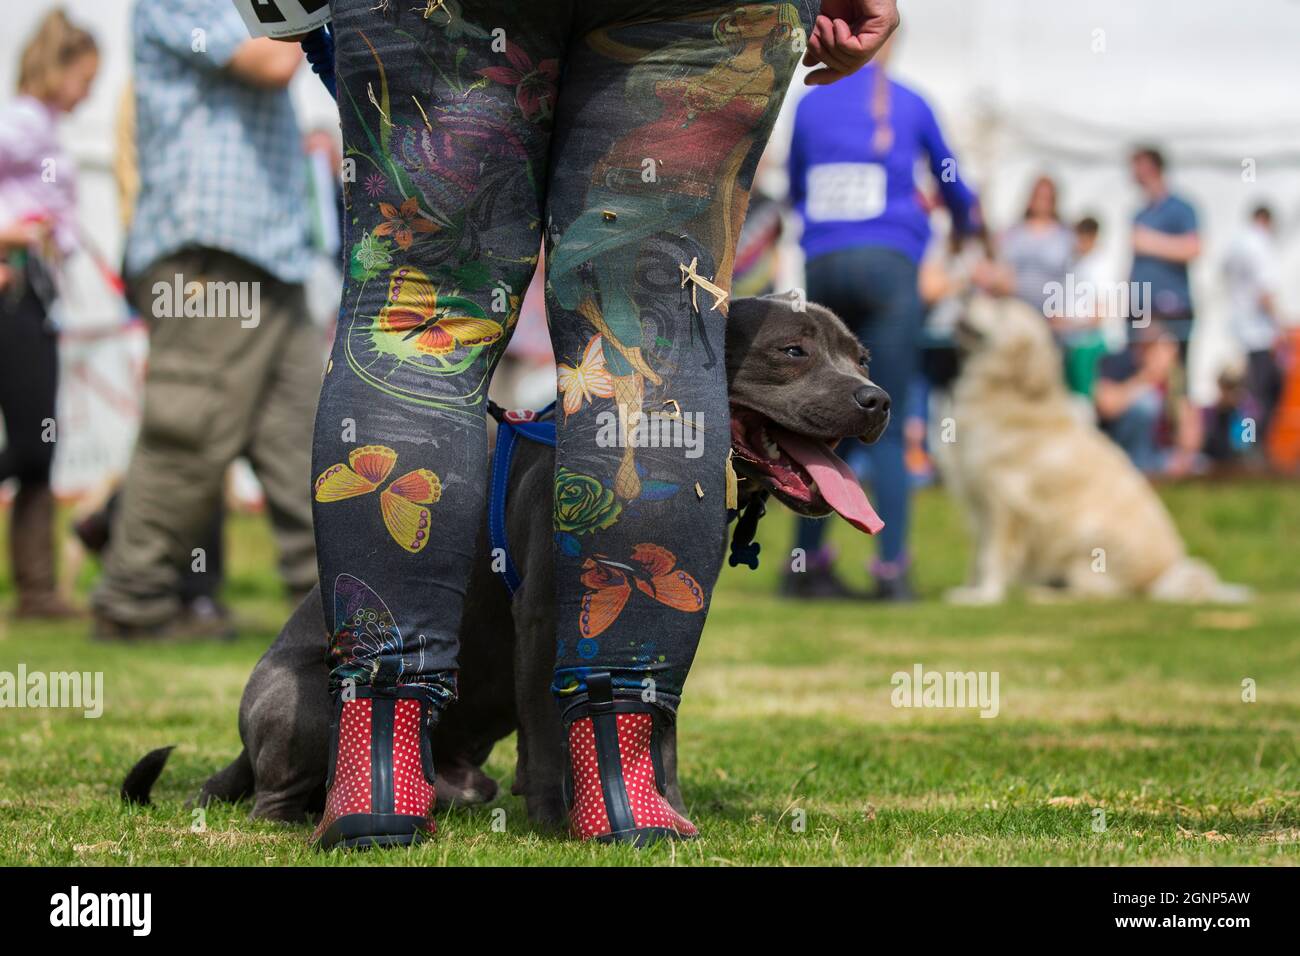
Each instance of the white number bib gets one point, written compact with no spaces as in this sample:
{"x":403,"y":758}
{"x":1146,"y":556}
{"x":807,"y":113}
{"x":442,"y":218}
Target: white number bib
{"x":845,"y":192}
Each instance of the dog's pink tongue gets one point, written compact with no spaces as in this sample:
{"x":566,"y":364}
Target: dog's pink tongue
{"x":835,"y":479}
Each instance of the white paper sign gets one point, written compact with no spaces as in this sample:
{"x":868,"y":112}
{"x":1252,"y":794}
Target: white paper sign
{"x":283,"y":18}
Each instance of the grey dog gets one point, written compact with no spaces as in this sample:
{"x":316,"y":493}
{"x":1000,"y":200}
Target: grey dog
{"x":798,"y":384}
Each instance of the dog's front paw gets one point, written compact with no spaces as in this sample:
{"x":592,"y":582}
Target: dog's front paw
{"x":974,"y":596}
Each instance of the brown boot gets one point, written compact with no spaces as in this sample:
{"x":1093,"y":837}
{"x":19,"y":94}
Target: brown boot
{"x":31,"y":554}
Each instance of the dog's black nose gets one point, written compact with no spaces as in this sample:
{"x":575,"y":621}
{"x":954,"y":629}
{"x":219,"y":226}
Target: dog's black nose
{"x":872,"y":398}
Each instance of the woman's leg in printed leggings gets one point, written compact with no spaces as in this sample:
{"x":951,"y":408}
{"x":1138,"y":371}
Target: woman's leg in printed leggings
{"x":446,"y":128}
{"x":661,"y":122}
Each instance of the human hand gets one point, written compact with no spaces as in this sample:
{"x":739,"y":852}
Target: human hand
{"x":846,"y":35}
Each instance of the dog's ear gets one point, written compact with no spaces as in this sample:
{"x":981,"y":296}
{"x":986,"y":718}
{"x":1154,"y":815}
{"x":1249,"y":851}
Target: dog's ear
{"x":791,"y":299}
{"x":743,"y":309}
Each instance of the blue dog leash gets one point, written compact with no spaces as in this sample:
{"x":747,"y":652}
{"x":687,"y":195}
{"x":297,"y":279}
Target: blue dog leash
{"x":536,"y":427}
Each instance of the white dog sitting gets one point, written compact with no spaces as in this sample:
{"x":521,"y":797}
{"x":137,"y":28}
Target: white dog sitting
{"x":1051,"y":500}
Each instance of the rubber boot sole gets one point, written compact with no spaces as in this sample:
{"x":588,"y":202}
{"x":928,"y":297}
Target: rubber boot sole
{"x":642,"y":836}
{"x":361,"y":831}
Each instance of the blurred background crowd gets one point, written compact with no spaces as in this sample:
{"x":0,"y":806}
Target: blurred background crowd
{"x":1132,"y":171}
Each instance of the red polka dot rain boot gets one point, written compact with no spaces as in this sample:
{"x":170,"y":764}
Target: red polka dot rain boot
{"x":614,"y":788}
{"x":380,"y":785}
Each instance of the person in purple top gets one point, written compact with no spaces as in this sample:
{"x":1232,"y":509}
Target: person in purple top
{"x":852,"y":181}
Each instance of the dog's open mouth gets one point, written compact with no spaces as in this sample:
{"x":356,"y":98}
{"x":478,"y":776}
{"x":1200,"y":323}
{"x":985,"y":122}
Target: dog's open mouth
{"x":803,"y":472}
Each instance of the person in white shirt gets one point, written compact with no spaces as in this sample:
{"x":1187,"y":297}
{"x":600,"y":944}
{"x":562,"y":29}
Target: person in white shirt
{"x":1252,"y":270}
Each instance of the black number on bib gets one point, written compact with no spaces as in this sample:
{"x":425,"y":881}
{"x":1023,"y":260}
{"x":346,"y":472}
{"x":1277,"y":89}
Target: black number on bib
{"x":268,"y":12}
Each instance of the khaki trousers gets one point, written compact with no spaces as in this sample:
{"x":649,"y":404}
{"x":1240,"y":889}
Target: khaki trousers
{"x":230,"y":381}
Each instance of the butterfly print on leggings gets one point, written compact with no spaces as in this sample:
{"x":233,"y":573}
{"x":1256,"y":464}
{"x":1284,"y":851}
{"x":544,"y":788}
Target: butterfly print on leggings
{"x":609,"y":585}
{"x":401,"y":504}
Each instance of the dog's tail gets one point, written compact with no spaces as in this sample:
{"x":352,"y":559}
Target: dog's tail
{"x":232,"y":784}
{"x":138,"y":783}
{"x":1191,"y":581}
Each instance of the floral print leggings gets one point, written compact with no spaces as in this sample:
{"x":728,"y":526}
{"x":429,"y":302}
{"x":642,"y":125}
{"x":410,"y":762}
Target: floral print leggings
{"x":622,"y":137}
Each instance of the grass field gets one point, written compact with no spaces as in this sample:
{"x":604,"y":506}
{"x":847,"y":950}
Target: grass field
{"x":791,"y":750}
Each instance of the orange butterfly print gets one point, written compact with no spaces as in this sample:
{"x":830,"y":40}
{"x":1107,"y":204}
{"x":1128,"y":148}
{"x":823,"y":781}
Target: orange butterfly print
{"x":401,"y":503}
{"x":609,"y":585}
{"x":412,"y":311}
{"x":587,"y":380}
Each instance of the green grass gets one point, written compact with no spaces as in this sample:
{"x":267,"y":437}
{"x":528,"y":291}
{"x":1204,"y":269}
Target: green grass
{"x":1133,"y":708}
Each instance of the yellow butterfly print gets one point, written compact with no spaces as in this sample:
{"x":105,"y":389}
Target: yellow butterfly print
{"x":401,"y":503}
{"x":412,"y":311}
{"x":588,"y":380}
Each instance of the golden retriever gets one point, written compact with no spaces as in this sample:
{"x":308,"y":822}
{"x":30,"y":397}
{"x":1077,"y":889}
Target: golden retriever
{"x":1052,"y":501}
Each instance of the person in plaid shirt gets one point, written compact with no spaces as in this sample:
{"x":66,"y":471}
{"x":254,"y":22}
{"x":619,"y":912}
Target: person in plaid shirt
{"x":216,"y":258}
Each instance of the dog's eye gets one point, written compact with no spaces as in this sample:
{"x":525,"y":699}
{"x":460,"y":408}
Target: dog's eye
{"x":864,"y":362}
{"x":794,"y":351}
